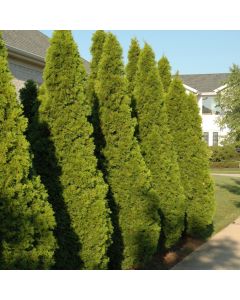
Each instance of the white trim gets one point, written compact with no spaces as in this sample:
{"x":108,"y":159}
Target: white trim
{"x":220,"y":88}
{"x":191,"y":89}
{"x":27,"y":56}
{"x":209,"y":94}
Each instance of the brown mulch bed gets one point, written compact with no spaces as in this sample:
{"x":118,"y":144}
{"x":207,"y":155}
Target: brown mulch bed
{"x":168,"y":259}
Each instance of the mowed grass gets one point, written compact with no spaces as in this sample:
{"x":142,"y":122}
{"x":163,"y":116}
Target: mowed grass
{"x":228,"y":201}
{"x":226,"y":171}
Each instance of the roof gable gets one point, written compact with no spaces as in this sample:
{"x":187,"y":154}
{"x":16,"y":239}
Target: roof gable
{"x":205,"y":82}
{"x":31,"y":42}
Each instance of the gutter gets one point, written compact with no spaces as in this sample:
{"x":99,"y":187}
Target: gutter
{"x":28,"y":56}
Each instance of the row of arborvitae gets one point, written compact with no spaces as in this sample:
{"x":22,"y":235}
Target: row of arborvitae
{"x":120,"y":155}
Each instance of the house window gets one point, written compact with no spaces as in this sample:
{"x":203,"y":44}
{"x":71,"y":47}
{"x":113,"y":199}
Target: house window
{"x":209,"y":106}
{"x":206,"y":137}
{"x":215,"y":138}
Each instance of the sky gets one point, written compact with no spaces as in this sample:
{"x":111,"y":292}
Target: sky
{"x":189,"y":51}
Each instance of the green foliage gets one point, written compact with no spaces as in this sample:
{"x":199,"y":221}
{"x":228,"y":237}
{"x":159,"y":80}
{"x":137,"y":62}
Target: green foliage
{"x":229,"y":102}
{"x":98,"y":40}
{"x":28,"y":96}
{"x":225,"y":164}
{"x":81,"y":194}
{"x":156,"y":144}
{"x":185,"y":125}
{"x":164,"y":69}
{"x":131,"y":68}
{"x":226,"y":152}
{"x":26,"y":217}
{"x":128,"y":177}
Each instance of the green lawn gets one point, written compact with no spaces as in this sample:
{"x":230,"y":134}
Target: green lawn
{"x":226,"y":170}
{"x":228,"y":201}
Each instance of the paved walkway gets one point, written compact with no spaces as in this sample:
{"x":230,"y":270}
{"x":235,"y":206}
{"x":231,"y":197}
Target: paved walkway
{"x":225,"y":174}
{"x":221,"y":252}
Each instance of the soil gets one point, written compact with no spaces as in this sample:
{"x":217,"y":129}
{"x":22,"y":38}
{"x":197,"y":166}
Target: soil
{"x":168,"y":259}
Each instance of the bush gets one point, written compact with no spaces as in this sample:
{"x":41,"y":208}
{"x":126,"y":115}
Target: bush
{"x":226,"y":153}
{"x":225,"y":164}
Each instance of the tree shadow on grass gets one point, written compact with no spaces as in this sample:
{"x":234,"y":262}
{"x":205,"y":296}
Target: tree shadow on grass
{"x":46,"y":165}
{"x":234,"y":189}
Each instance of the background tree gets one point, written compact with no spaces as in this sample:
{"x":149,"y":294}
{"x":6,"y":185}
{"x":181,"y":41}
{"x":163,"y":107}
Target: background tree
{"x":64,"y":108}
{"x":164,"y":69}
{"x":128,"y":177}
{"x":185,"y":124}
{"x":229,"y":102}
{"x":156,"y":144}
{"x":26,"y":217}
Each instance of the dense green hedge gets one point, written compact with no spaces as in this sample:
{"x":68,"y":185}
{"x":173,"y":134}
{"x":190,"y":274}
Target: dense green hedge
{"x":224,"y":153}
{"x":225,"y":164}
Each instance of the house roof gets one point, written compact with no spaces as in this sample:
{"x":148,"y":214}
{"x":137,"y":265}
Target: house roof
{"x":31,"y":42}
{"x":205,"y":82}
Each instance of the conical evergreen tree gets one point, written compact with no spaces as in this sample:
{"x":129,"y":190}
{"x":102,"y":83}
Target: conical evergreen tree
{"x":164,"y":69}
{"x":98,"y":40}
{"x":26,"y":217}
{"x":156,"y":144}
{"x":131,"y":68}
{"x":64,"y":108}
{"x":185,"y":125}
{"x":128,"y":177}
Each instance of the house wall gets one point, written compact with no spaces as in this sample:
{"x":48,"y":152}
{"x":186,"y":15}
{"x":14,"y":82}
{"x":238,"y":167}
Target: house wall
{"x":210,"y":124}
{"x":23,"y":71}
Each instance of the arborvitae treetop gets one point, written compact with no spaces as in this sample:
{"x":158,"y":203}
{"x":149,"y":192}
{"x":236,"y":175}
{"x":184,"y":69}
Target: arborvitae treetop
{"x":131,"y":68}
{"x":164,"y":69}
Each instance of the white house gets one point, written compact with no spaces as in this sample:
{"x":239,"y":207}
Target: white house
{"x":206,"y":87}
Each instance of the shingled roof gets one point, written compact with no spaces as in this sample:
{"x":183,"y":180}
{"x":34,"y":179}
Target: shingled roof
{"x":31,"y":42}
{"x":205,"y":82}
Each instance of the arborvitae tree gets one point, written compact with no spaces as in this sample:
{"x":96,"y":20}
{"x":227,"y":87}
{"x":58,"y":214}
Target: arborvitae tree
{"x":98,"y":40}
{"x":164,"y":69}
{"x":156,"y":144}
{"x":127,"y":174}
{"x":185,"y":125}
{"x":26,"y":217}
{"x":131,"y":68}
{"x":64,"y":109}
{"x":28,"y":96}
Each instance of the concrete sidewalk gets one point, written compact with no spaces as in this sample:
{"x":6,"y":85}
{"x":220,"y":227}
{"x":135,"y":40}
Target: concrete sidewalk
{"x":226,"y":174}
{"x":221,"y":252}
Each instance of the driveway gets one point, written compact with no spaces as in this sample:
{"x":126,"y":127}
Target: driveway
{"x":221,"y":252}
